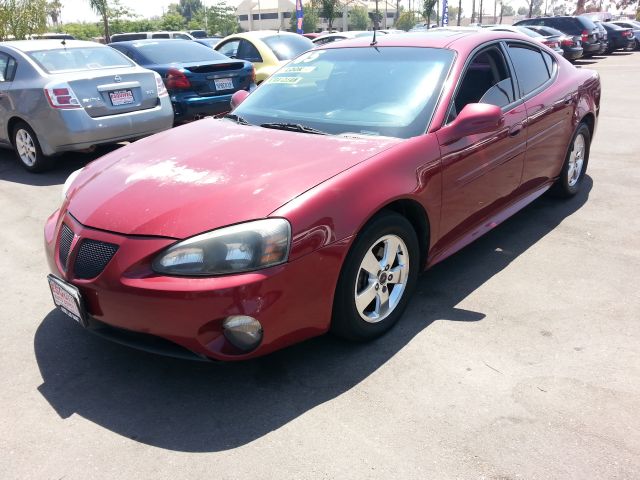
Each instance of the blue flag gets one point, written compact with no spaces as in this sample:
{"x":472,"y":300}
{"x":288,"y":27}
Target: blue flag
{"x":299,"y":16}
{"x":445,"y":13}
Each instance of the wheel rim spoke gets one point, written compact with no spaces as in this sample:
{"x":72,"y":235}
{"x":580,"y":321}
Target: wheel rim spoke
{"x":390,"y":250}
{"x":398,"y":274}
{"x":371,"y":264}
{"x":364,"y":299}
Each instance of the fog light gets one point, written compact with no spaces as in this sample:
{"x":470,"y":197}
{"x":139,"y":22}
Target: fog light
{"x":243,"y":332}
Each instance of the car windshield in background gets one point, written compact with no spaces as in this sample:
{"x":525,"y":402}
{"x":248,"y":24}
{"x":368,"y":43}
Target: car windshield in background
{"x":529,"y":32}
{"x":387,"y":91}
{"x":177,"y":51}
{"x":87,"y":58}
{"x":286,"y":47}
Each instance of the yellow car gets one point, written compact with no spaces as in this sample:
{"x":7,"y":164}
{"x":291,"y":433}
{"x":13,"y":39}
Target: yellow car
{"x":268,"y":50}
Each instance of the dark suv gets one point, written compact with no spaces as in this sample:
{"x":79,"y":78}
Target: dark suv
{"x":590,"y":36}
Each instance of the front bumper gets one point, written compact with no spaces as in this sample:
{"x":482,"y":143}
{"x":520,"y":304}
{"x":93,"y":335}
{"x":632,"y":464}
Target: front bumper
{"x":70,"y":130}
{"x":293,"y":301}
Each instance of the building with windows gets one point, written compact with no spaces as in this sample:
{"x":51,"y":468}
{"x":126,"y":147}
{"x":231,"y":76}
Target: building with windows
{"x":276,"y":14}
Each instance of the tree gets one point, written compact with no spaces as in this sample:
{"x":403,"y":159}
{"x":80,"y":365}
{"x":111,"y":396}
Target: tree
{"x":101,"y":7}
{"x":459,"y":12}
{"x":172,"y":21}
{"x":405,"y":22}
{"x":309,"y":21}
{"x":427,"y":10}
{"x":453,"y":14}
{"x":358,"y":18}
{"x":329,"y":11}
{"x":507,"y":10}
{"x":222,"y":20}
{"x":189,"y":8}
{"x":53,"y":11}
{"x":535,"y":7}
{"x":22,"y":18}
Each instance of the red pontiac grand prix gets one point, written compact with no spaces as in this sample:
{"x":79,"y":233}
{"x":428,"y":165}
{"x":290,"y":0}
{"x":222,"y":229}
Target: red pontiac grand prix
{"x":316,"y":203}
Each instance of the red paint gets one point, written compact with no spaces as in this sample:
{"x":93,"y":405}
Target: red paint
{"x":214,"y":173}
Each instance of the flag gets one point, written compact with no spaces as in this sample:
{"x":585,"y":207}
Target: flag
{"x":445,"y":13}
{"x":299,"y":16}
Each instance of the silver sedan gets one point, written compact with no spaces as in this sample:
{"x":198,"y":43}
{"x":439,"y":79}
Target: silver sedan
{"x":59,"y":96}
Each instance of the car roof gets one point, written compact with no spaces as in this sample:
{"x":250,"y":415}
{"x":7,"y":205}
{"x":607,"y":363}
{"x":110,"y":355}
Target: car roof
{"x":436,"y":38}
{"x":48,"y":44}
{"x":260,"y":34}
{"x":147,"y":41}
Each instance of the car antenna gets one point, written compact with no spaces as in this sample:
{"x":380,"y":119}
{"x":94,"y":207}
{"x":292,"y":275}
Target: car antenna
{"x":64,"y":43}
{"x":374,"y":41}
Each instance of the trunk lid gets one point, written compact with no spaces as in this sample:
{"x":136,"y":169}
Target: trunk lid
{"x":114,"y":91}
{"x":217,"y":78}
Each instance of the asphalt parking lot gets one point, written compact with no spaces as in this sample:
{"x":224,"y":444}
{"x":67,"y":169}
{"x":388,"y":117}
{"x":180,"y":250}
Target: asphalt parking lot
{"x":519,"y":357}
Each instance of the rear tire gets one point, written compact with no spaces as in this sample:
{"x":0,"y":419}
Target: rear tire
{"x":377,"y":278}
{"x":575,"y":164}
{"x":28,"y":149}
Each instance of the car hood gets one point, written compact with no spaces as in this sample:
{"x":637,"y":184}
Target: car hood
{"x":208,"y":174}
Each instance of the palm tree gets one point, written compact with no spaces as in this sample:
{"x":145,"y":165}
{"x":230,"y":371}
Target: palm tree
{"x":101,"y":7}
{"x":53,"y":11}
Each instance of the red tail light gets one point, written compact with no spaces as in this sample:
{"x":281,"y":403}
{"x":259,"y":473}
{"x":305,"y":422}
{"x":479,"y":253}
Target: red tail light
{"x":550,"y":44}
{"x":627,"y":33}
{"x":61,"y":96}
{"x":176,"y":80}
{"x":568,"y":42}
{"x":585,"y":35}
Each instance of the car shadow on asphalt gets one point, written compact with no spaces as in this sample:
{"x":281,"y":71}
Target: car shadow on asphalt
{"x":203,"y":407}
{"x":12,"y":171}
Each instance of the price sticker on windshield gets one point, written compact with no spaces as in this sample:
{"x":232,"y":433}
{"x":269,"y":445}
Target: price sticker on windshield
{"x":298,"y":69}
{"x":287,"y":80}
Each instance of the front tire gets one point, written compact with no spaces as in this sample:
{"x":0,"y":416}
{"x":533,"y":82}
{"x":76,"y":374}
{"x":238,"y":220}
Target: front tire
{"x":377,"y":278}
{"x":28,"y":149}
{"x":575,"y":164}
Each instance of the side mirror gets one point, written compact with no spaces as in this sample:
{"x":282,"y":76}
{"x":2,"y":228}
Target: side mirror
{"x":473,"y":119}
{"x":238,"y":97}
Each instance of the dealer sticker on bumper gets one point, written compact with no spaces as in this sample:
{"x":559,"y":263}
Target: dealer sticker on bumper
{"x":67,"y":298}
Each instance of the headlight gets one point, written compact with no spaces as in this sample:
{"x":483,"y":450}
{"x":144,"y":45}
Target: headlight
{"x":239,"y":248}
{"x":68,"y":182}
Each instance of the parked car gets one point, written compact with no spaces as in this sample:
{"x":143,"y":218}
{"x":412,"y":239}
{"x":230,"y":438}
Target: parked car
{"x":337,"y":36}
{"x":590,"y":36}
{"x":571,"y":44}
{"x":316,"y":203}
{"x":200,"y":80}
{"x":126,"y":37}
{"x":604,"y":37}
{"x":210,"y":42}
{"x":632,"y":24}
{"x":53,"y":36}
{"x":551,"y":41}
{"x":268,"y":50}
{"x":61,"y":96}
{"x":311,"y":36}
{"x":198,"y":34}
{"x":619,"y":38}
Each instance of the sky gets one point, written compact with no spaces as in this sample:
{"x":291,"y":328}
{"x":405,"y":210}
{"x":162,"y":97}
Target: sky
{"x":78,"y":10}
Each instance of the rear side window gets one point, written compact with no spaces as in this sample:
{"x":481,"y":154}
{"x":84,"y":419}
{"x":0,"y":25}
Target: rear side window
{"x":160,"y":35}
{"x":87,"y":58}
{"x":531,"y":68}
{"x":230,"y":49}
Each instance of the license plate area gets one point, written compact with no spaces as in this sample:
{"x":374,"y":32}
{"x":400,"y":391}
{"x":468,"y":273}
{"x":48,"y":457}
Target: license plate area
{"x":68,"y":299}
{"x":121,"y":97}
{"x":223,"y":83}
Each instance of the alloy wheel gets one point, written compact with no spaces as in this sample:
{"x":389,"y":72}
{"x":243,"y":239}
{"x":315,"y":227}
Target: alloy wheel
{"x":26,"y":147}
{"x":382,"y":278}
{"x":576,"y":160}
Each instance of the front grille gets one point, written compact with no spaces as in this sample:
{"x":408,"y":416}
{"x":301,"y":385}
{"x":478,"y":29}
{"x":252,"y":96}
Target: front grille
{"x":92,"y":258}
{"x":64,"y":245}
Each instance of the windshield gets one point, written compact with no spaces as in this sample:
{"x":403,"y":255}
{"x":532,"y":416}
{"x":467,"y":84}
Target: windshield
{"x":70,"y":59}
{"x":198,"y":34}
{"x":286,"y":47}
{"x":387,"y":91}
{"x":171,"y":52}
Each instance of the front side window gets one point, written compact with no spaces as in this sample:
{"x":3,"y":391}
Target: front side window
{"x":531,"y":68}
{"x":386,"y":91}
{"x":84,"y":58}
{"x":230,"y":49}
{"x":486,"y":80}
{"x":286,"y":47}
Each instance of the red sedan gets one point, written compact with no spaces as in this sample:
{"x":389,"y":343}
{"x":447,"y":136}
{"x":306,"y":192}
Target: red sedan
{"x":317,"y":202}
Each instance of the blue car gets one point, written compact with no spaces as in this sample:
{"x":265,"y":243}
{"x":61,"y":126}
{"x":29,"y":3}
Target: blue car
{"x":200,"y":80}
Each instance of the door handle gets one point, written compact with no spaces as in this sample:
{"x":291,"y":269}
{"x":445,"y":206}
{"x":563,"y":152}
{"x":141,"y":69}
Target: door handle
{"x":515,"y":130}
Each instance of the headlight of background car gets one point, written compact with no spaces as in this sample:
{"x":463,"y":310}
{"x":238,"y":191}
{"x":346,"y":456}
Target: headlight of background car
{"x":68,"y":182}
{"x":238,"y":248}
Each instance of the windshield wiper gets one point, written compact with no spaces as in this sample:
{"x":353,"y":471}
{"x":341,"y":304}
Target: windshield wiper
{"x":294,"y":127}
{"x":237,"y":118}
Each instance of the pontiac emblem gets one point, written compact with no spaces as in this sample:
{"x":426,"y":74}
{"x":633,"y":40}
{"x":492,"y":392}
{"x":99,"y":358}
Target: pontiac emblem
{"x":117,"y":78}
